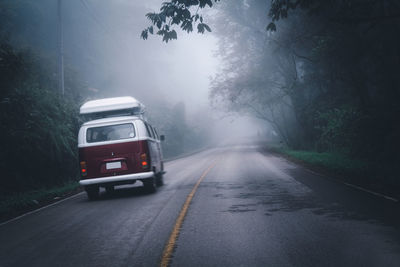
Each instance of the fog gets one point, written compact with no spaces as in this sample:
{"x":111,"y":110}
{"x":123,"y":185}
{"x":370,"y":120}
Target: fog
{"x":283,"y":113}
{"x":291,"y":76}
{"x":107,"y":35}
{"x":292,"y":85}
{"x":103,"y":48}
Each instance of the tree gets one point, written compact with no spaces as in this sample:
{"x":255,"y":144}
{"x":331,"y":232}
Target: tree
{"x":38,"y":129}
{"x":324,"y":74}
{"x":177,"y":13}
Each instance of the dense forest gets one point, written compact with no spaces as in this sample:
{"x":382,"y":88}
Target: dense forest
{"x":323,"y":74}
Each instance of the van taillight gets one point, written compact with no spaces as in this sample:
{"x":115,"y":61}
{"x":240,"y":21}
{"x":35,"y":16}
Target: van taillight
{"x":83,"y":168}
{"x":143,"y":160}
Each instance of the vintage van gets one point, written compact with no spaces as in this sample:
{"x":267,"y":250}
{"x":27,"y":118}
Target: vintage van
{"x":118,"y":146}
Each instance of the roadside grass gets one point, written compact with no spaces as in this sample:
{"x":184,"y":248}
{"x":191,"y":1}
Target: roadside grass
{"x":13,"y":205}
{"x":342,"y":167}
{"x":336,"y":163}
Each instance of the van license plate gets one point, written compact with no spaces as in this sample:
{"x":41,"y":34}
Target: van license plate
{"x":113,"y":165}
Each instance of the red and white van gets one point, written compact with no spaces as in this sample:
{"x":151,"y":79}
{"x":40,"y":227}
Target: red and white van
{"x":118,"y":146}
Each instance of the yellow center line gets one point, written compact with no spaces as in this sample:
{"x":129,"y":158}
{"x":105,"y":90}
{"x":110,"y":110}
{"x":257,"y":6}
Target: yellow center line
{"x":169,"y":247}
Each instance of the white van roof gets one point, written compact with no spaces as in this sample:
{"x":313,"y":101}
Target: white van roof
{"x":111,"y":120}
{"x":110,"y":104}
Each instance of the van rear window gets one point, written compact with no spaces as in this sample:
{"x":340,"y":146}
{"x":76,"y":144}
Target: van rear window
{"x":110,"y":133}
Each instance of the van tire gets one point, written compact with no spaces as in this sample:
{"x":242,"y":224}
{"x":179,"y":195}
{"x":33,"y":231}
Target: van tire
{"x":92,"y":192}
{"x":110,"y":189}
{"x":150,"y":185}
{"x":159,"y":179}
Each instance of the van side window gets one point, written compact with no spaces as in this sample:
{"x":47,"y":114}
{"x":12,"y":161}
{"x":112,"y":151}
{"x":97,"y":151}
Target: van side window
{"x":149,"y":132}
{"x":155,"y":131}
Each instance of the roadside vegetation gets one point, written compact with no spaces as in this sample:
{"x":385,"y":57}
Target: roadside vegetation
{"x":38,"y":126}
{"x":38,"y":129}
{"x":341,"y":167}
{"x":334,"y":162}
{"x":18,"y":203}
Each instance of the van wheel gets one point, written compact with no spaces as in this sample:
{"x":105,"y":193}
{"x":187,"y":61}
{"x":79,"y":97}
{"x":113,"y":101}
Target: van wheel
{"x":160,"y":179}
{"x":110,"y":189}
{"x":150,"y":185}
{"x":92,"y":192}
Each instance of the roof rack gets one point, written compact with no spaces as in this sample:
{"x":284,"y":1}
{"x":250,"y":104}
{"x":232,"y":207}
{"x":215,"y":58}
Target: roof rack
{"x":112,"y":107}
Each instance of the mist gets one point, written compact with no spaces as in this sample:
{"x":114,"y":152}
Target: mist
{"x":270,"y":135}
{"x":103,"y":49}
{"x":238,"y":82}
{"x":119,"y":62}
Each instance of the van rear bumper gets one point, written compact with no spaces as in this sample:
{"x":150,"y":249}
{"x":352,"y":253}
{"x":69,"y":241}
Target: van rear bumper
{"x":119,"y":178}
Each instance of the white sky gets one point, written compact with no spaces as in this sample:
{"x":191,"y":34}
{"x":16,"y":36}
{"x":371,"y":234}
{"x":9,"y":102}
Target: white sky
{"x":177,"y":71}
{"x":121,"y":63}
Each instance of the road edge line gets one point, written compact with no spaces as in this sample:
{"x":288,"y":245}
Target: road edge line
{"x":349,"y":184}
{"x":306,"y":168}
{"x":39,"y":209}
{"x":372,"y":192}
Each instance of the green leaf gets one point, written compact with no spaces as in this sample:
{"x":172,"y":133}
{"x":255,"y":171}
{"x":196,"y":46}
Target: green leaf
{"x":187,"y":26}
{"x":186,"y":14}
{"x":203,"y":3}
{"x":162,"y":17}
{"x":144,"y":35}
{"x":271,"y":27}
{"x":200,"y":28}
{"x":173,"y":35}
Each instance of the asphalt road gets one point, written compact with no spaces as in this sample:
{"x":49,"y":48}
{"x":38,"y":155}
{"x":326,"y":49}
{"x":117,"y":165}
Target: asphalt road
{"x":249,"y":209}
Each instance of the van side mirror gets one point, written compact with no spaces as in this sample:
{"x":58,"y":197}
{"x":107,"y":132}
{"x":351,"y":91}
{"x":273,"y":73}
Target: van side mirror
{"x":162,"y":137}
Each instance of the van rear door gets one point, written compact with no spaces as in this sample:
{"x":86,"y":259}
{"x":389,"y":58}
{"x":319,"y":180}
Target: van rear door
{"x":111,"y":150}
